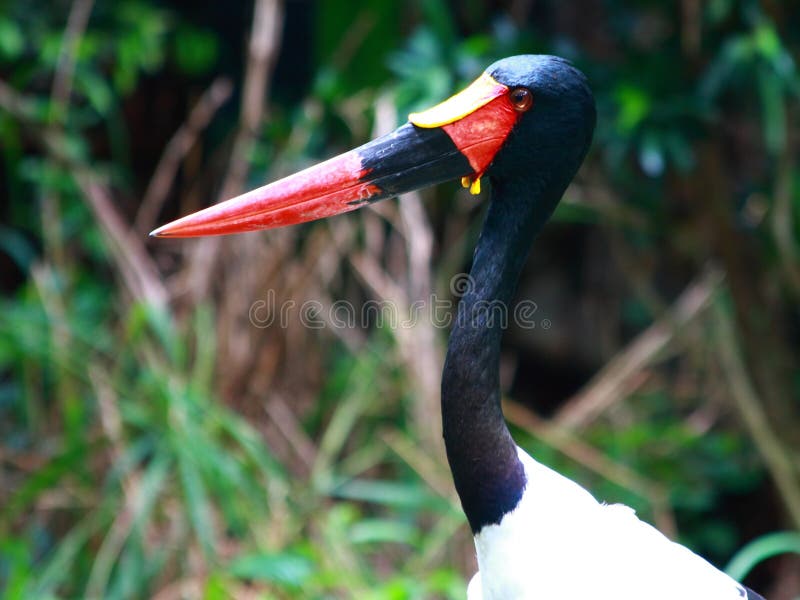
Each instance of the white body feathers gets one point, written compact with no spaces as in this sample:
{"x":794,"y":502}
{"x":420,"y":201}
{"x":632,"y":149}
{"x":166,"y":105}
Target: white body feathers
{"x":559,"y":543}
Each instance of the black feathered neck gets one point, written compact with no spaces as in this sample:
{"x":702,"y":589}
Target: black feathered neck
{"x":529,"y":175}
{"x":487,"y":472}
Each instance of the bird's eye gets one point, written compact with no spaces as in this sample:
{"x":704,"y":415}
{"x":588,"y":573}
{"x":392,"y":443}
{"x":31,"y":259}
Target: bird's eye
{"x":521,"y":98}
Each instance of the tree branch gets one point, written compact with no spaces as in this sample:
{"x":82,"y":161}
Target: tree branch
{"x":182,"y":141}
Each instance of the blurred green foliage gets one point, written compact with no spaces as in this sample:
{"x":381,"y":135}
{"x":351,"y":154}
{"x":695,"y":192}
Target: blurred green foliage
{"x":153,"y":447}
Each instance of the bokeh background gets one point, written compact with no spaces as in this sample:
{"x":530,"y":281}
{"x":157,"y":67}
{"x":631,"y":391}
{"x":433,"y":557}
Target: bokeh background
{"x":163,"y":434}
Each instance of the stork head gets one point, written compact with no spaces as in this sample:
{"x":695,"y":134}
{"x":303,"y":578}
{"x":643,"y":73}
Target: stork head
{"x":526,"y":119}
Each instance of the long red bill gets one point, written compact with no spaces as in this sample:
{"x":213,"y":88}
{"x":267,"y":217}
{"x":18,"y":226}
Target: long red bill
{"x":329,"y":188}
{"x":457,"y":138}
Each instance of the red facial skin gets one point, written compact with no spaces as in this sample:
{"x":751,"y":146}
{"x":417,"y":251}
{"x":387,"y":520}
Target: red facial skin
{"x":480,"y":134}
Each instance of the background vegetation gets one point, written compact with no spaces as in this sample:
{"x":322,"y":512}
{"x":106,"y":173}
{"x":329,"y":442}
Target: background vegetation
{"x":159,"y":439}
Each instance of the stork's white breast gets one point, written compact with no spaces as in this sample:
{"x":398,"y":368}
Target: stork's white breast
{"x":559,"y":543}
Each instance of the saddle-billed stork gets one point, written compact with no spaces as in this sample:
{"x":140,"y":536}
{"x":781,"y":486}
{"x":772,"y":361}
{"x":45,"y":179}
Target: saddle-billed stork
{"x":526,"y":123}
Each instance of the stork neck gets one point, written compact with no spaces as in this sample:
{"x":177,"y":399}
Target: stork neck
{"x":487,"y":472}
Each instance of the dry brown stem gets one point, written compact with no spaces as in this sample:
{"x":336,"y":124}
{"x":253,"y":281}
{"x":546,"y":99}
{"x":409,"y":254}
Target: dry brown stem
{"x":176,"y":150}
{"x":777,"y":458}
{"x":613,"y":383}
{"x":265,"y":39}
{"x":76,"y":24}
{"x":138,"y":271}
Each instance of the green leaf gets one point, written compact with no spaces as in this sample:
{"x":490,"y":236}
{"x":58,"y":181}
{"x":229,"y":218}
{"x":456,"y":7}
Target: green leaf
{"x":387,"y":493}
{"x":58,"y":566}
{"x":767,"y":41}
{"x":96,"y":89}
{"x":287,"y":569}
{"x":773,"y":110}
{"x":634,"y":105}
{"x":197,"y":502}
{"x":217,"y":588}
{"x":439,"y":17}
{"x":760,"y":549}
{"x":17,"y":246}
{"x":382,"y":531}
{"x":651,"y":156}
{"x":12,"y":41}
{"x":196,"y":50}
